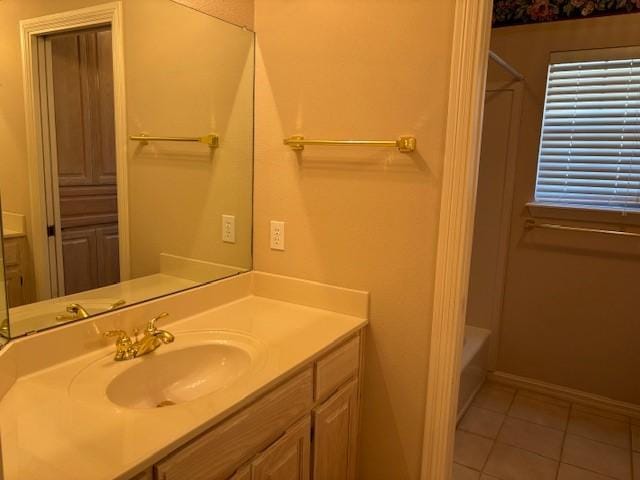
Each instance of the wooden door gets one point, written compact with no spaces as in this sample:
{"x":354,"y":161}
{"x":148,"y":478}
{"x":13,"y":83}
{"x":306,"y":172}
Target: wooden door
{"x":82,"y":89}
{"x":335,"y":424}
{"x":288,"y":458}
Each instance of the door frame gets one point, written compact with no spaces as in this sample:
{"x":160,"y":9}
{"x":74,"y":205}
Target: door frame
{"x":469,"y":59}
{"x":30,"y":32}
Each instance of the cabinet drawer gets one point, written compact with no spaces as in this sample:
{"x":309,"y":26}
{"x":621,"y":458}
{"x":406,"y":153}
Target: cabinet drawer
{"x":219,"y":452}
{"x":337,"y":367}
{"x":11,"y":253}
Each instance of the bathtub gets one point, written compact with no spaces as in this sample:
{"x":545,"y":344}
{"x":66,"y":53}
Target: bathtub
{"x":473,"y":369}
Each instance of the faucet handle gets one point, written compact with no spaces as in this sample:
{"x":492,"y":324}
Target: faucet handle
{"x":117,"y":304}
{"x":121,"y":334}
{"x":151,"y":326}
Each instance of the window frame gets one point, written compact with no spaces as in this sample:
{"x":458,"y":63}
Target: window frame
{"x":586,"y":213}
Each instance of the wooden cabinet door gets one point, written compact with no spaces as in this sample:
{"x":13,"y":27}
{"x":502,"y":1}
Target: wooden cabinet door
{"x":218,"y":453}
{"x":243,"y":474}
{"x":288,"y":458}
{"x":108,"y":255}
{"x":15,"y":286}
{"x":79,"y":250}
{"x":334,"y":440}
{"x":146,"y":475}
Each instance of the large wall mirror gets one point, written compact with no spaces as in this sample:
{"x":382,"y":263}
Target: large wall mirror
{"x":126,"y":132}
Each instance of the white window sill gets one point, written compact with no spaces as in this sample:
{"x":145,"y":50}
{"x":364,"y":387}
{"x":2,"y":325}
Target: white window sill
{"x":582,"y":214}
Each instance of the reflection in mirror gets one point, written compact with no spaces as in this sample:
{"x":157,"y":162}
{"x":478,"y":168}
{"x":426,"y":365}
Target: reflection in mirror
{"x":4,"y":309}
{"x":95,"y":217}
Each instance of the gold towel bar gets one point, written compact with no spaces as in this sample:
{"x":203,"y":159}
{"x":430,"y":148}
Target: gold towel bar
{"x":530,"y":224}
{"x":211,"y":140}
{"x":404,"y":144}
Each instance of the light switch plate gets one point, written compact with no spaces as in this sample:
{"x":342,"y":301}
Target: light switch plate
{"x":228,"y":228}
{"x":277,"y":235}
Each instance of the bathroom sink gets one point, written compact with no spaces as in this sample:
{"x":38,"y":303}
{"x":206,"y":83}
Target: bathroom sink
{"x":178,"y":376}
{"x":197,"y":364}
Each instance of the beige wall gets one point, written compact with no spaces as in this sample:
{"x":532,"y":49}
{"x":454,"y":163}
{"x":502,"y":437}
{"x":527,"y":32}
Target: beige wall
{"x":195,"y":79}
{"x":239,"y":12}
{"x":359,"y":217}
{"x":570,"y":314}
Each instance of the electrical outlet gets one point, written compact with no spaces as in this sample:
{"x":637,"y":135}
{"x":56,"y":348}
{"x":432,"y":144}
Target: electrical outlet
{"x":228,"y":228}
{"x":277,"y":235}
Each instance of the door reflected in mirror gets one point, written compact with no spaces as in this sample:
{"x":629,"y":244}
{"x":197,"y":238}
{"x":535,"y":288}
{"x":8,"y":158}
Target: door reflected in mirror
{"x":110,"y":194}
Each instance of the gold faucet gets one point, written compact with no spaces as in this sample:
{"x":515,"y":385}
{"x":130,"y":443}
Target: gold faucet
{"x":76,"y":311}
{"x":128,"y":348}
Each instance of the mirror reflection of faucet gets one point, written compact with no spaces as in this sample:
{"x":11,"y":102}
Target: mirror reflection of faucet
{"x":76,"y":311}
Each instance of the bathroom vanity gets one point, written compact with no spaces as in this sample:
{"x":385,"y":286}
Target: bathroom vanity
{"x":250,"y":375}
{"x":272,"y":437}
{"x":262,"y":381}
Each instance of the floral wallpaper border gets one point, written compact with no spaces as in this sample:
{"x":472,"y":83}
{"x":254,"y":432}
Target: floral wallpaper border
{"x":516,"y":12}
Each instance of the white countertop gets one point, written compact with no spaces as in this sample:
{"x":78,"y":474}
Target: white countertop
{"x":47,"y":434}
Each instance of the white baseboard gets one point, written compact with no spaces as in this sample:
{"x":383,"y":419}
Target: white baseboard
{"x":565,"y":393}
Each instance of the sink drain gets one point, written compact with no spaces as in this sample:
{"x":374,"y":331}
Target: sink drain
{"x":165,"y":403}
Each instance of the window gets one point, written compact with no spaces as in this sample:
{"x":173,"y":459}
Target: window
{"x":590,"y":144}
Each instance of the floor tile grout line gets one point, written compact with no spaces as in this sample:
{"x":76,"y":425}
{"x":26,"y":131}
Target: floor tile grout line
{"x":600,"y":441}
{"x":528,"y":451}
{"x":539,"y":401}
{"x":485,"y":409}
{"x":479,"y":434}
{"x":462,"y":429}
{"x":571,"y":409}
{"x":538,"y":424}
{"x":633,"y":472}
{"x":495,"y":442}
{"x":586,"y":469}
{"x":473,"y":403}
{"x":564,"y":439}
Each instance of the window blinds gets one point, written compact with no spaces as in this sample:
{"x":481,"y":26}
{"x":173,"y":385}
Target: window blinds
{"x":590,"y":145}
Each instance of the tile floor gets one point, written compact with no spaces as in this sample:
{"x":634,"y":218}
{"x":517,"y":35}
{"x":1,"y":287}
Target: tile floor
{"x":511,"y":434}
